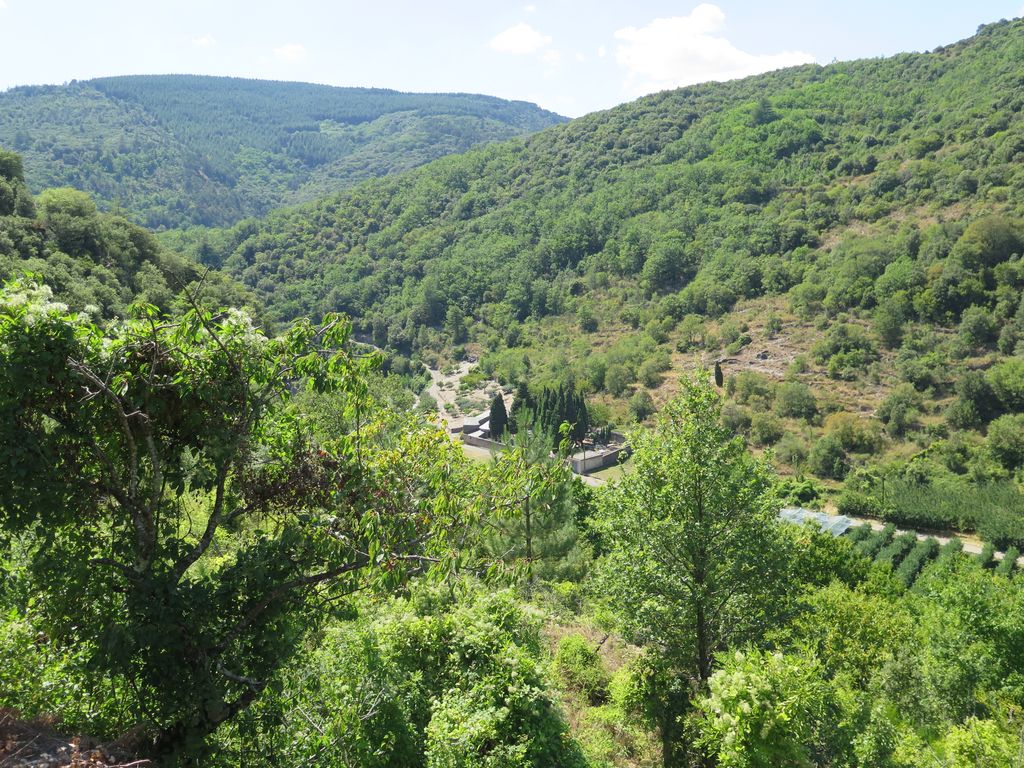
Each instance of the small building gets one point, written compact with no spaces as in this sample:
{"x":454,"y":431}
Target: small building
{"x":600,"y":457}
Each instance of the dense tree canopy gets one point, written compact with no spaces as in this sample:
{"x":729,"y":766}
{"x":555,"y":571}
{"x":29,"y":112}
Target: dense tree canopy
{"x":184,"y":150}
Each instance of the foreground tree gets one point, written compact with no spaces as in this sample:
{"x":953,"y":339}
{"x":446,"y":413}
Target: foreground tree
{"x":696,"y":562}
{"x":187,"y":528}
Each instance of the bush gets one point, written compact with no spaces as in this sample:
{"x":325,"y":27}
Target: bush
{"x":798,"y":491}
{"x":736,"y":418}
{"x":641,"y":405}
{"x":749,"y":388}
{"x":651,"y":369}
{"x":1006,"y":440}
{"x":1008,"y":564}
{"x":846,"y":350}
{"x":950,"y":549}
{"x":580,"y":668}
{"x":586,"y":318}
{"x":795,"y":400}
{"x":854,"y":433}
{"x":859,"y":533}
{"x":916,"y":559}
{"x":1007,"y":382}
{"x":987,"y":556}
{"x":977,"y":327}
{"x":976,"y":402}
{"x":828,"y":458}
{"x":857,"y":504}
{"x":616,"y":378}
{"x":873,"y":544}
{"x":899,"y":410}
{"x":892,"y":554}
{"x":791,"y":450}
{"x":765,"y":429}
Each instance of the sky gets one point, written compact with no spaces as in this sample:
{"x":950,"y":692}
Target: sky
{"x":568,"y":56}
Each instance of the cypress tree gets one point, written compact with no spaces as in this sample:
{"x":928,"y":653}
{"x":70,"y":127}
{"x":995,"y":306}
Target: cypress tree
{"x":522,"y":406}
{"x":499,"y":417}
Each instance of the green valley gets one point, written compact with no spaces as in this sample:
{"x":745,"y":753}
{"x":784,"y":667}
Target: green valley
{"x":236,"y":527}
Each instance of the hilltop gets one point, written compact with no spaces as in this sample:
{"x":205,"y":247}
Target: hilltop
{"x":177,"y":150}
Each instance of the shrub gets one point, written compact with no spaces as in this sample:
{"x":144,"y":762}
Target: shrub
{"x":857,"y":504}
{"x":893,"y":553}
{"x":799,"y":365}
{"x":651,"y":369}
{"x":828,"y":458}
{"x":795,"y":400}
{"x":791,"y":450}
{"x":580,"y":668}
{"x":848,"y":365}
{"x":977,"y":327}
{"x":846,"y":342}
{"x":1007,"y":382}
{"x":586,"y":318}
{"x":749,"y":388}
{"x":1006,"y":440}
{"x":641,"y":405}
{"x":736,"y":418}
{"x":765,"y":429}
{"x":800,"y":491}
{"x":1008,"y":564}
{"x":916,"y":559}
{"x":616,"y":378}
{"x":871,"y":546}
{"x":987,"y":556}
{"x":854,"y":433}
{"x":976,"y":402}
{"x":899,"y":410}
{"x":950,"y":549}
{"x":859,"y":533}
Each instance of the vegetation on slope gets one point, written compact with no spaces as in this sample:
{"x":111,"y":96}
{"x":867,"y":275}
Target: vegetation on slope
{"x":178,"y":150}
{"x":92,"y":260}
{"x":852,"y":234}
{"x":258,"y":656}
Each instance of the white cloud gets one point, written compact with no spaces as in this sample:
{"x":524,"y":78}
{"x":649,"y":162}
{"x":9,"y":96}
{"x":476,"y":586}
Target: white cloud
{"x":206,"y":41}
{"x":530,"y":9}
{"x":551,"y":57}
{"x":601,"y":51}
{"x":520,"y":39}
{"x":683,"y":50}
{"x":3,"y":4}
{"x":291,"y":52}
{"x":580,"y":57}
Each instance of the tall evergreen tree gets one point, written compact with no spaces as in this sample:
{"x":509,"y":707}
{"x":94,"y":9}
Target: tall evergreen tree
{"x":499,"y":417}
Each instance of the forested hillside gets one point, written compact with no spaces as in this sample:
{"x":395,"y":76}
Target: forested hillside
{"x":99,"y":262}
{"x":846,"y":239}
{"x":177,"y":150}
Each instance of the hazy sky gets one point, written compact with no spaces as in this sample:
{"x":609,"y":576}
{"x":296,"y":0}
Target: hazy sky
{"x":566,"y":55}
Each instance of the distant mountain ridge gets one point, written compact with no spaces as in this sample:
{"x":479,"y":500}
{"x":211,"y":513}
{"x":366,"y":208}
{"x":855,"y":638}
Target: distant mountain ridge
{"x":177,"y":150}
